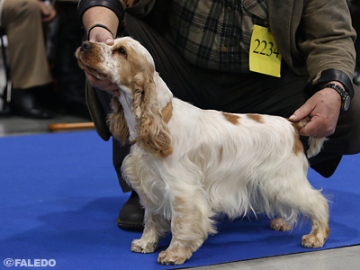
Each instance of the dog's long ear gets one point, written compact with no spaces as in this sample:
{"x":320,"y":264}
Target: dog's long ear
{"x":153,"y":132}
{"x":117,"y":123}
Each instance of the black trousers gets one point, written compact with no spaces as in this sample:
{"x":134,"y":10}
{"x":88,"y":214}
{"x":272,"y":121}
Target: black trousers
{"x":240,"y":93}
{"x":67,"y":37}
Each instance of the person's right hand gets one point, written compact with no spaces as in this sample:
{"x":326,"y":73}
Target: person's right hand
{"x":48,"y":12}
{"x":99,"y":34}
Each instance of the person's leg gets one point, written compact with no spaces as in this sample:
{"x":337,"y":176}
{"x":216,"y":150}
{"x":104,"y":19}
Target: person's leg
{"x":131,"y":214}
{"x":27,"y":54}
{"x":282,"y":97}
{"x":29,"y":67}
{"x":345,"y":140}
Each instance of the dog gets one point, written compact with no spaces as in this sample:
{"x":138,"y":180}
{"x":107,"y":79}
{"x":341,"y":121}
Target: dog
{"x":189,"y":165}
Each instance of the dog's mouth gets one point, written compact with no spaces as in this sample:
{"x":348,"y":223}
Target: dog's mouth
{"x":90,"y":63}
{"x":93,"y":71}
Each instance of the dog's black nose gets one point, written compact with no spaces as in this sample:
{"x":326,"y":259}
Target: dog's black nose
{"x":85,"y":46}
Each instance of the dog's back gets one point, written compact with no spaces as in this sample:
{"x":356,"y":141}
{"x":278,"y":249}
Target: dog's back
{"x":241,"y":160}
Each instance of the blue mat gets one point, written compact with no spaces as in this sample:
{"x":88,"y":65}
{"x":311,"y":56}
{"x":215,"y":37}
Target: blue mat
{"x":59,"y":199}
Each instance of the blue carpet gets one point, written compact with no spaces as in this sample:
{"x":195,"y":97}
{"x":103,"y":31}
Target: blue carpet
{"x":59,"y":199}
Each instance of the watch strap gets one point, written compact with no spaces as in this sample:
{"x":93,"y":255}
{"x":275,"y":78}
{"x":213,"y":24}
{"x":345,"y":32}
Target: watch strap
{"x":342,"y":92}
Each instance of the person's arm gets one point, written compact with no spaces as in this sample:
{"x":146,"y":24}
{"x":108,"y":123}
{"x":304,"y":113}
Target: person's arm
{"x":327,"y":42}
{"x":100,"y":16}
{"x":107,"y":13}
{"x":110,"y":14}
{"x":101,"y":20}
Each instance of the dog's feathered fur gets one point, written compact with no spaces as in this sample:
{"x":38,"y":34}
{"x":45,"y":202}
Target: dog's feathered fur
{"x":188,"y":164}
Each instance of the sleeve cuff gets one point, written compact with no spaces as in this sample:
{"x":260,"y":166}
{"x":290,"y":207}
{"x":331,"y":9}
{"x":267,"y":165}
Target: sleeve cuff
{"x":114,"y":5}
{"x":329,"y":75}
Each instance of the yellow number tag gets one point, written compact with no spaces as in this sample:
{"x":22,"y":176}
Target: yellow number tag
{"x":264,"y":55}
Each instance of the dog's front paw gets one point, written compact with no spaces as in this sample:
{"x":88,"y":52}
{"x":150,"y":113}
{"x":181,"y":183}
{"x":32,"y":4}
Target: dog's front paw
{"x":313,"y":241}
{"x":172,"y":257}
{"x":142,"y":246}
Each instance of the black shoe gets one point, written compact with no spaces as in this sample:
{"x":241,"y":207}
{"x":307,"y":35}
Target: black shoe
{"x":24,"y":103}
{"x":131,"y":216}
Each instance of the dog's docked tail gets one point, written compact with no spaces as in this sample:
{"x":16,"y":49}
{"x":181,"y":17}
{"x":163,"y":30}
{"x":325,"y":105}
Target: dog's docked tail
{"x":315,"y":144}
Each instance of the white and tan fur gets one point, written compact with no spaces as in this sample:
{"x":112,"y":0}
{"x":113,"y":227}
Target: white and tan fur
{"x":188,"y":164}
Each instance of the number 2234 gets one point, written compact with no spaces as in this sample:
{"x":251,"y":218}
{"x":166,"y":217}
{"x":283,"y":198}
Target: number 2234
{"x":264,"y":56}
{"x":266,"y":48}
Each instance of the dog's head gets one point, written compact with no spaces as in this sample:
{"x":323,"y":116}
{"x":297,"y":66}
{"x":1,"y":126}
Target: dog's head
{"x":122,"y":63}
{"x":129,"y":65}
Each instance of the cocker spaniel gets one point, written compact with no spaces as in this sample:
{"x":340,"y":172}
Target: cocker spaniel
{"x":189,"y":164}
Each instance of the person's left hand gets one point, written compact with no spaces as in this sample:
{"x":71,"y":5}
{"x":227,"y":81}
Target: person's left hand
{"x":48,"y":12}
{"x":324,"y":110}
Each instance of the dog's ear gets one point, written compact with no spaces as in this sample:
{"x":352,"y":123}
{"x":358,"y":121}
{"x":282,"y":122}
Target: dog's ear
{"x":117,"y":123}
{"x":153,"y":132}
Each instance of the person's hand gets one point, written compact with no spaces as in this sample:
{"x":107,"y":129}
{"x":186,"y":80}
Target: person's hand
{"x":324,"y":110}
{"x":99,"y":34}
{"x":48,"y":12}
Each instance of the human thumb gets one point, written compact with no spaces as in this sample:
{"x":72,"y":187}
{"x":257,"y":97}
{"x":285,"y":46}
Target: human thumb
{"x":299,"y":114}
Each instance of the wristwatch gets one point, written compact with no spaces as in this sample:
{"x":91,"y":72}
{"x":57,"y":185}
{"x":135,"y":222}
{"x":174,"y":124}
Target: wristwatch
{"x":345,"y":97}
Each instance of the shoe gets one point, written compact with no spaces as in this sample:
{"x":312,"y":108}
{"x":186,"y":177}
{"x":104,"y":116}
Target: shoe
{"x":23,"y":103}
{"x":131,"y":216}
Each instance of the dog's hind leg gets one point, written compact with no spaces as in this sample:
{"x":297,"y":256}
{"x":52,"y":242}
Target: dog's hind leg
{"x":317,"y":210}
{"x":279,"y":224}
{"x":299,"y":197}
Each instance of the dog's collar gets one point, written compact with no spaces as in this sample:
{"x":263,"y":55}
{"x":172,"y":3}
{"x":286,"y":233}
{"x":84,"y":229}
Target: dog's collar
{"x":166,"y":113}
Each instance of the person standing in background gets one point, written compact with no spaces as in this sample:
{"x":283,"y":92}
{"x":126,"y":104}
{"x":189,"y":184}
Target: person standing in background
{"x":31,"y":77}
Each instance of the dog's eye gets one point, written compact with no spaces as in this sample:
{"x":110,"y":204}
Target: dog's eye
{"x":122,"y":51}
